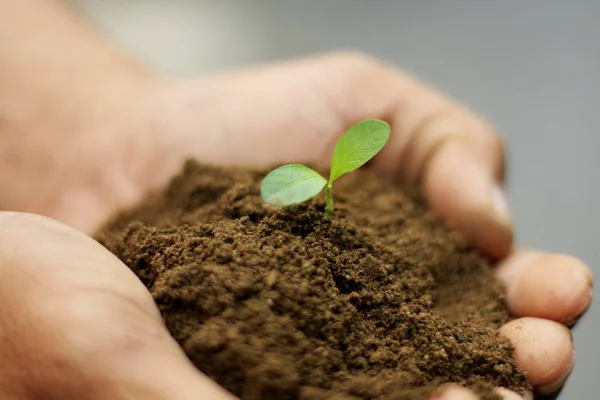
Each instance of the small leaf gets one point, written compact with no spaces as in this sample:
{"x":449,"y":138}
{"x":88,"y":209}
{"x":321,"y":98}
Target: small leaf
{"x":358,"y":145}
{"x":291,"y":184}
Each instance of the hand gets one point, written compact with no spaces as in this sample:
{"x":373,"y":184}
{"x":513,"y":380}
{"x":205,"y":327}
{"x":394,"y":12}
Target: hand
{"x":75,"y":323}
{"x":283,"y":113}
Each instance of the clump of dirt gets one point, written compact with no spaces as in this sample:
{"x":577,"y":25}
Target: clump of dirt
{"x":380,"y":301}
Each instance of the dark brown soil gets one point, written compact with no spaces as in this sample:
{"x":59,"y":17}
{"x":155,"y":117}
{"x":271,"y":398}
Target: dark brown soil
{"x":380,"y":301}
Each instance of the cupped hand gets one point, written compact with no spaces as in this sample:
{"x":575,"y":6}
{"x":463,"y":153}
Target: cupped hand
{"x":66,"y":289}
{"x":75,"y":323}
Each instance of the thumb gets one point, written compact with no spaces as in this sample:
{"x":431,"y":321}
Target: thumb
{"x":75,"y":323}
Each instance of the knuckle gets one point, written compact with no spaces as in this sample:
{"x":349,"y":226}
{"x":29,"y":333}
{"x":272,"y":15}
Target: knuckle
{"x":498,"y":151}
{"x":495,"y":142}
{"x":356,"y":85}
{"x":499,"y":142}
{"x":486,"y":143}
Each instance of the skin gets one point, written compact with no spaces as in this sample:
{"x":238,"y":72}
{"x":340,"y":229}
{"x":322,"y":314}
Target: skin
{"x":96,"y":132}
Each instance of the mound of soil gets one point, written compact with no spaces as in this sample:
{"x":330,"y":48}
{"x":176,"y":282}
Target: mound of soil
{"x":380,"y":301}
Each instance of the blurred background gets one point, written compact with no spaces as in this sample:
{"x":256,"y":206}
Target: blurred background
{"x":529,"y":66}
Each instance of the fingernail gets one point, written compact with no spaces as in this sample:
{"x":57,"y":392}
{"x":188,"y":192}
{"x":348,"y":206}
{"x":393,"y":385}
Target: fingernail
{"x":549,"y":389}
{"x":500,"y":204}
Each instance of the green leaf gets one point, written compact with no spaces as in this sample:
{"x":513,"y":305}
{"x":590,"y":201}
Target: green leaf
{"x":291,"y":184}
{"x":358,"y":145}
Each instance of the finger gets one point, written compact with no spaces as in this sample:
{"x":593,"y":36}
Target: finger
{"x":510,"y":395}
{"x":76,"y":323}
{"x":454,"y":393}
{"x":459,"y":393}
{"x":551,"y":286}
{"x":457,"y":157}
{"x":543,"y":350}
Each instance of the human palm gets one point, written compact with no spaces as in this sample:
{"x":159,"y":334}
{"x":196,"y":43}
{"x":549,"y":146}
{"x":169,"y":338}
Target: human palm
{"x":286,"y":113}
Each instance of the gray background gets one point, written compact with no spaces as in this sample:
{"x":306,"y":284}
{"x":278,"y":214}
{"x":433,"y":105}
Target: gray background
{"x":529,"y":66}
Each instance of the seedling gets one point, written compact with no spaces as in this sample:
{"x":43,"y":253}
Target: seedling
{"x":296,"y":183}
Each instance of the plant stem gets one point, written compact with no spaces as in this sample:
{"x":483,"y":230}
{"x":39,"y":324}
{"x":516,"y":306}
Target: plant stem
{"x":328,"y":199}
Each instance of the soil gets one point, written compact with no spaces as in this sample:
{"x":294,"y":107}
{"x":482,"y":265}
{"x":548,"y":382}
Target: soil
{"x":380,"y":301}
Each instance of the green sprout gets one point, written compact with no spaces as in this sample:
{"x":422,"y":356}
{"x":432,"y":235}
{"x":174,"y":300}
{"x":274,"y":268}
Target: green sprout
{"x":296,"y":183}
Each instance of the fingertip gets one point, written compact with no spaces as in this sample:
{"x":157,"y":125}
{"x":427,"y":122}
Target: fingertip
{"x":550,"y":286}
{"x":454,"y":393}
{"x":510,"y":395}
{"x":459,"y":393}
{"x":543,"y":350}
